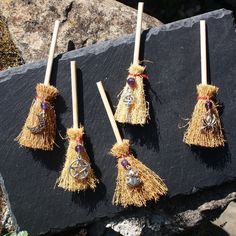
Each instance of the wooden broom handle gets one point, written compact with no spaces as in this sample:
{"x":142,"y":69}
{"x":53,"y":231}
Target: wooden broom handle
{"x":203,"y":52}
{"x":109,"y":112}
{"x":51,"y":53}
{"x":138,"y":34}
{"x":74,"y":94}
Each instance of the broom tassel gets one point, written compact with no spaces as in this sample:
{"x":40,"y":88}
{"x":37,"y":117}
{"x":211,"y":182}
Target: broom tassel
{"x":136,"y":184}
{"x":77,"y":174}
{"x":132,"y":107}
{"x":205,"y":127}
{"x":39,"y":130}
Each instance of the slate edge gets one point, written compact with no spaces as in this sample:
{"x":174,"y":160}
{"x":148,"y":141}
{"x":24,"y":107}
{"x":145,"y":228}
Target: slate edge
{"x":103,"y":46}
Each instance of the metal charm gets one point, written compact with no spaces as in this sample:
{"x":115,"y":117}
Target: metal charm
{"x":41,"y":124}
{"x":209,"y":121}
{"x":132,"y":178}
{"x":79,"y":169}
{"x":128,"y":99}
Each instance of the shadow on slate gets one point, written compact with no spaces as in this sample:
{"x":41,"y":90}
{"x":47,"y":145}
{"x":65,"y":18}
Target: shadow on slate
{"x":87,"y":199}
{"x":41,"y":208}
{"x":215,"y":158}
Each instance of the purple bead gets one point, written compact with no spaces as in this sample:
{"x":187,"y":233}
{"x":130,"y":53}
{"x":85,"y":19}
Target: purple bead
{"x":208,"y":105}
{"x":125,"y":163}
{"x":44,"y":105}
{"x":131,"y":81}
{"x":79,"y":148}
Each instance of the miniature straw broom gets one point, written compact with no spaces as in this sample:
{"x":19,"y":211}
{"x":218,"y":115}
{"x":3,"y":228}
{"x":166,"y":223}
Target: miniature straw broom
{"x":136,"y":184}
{"x":205,"y":127}
{"x":39,"y":130}
{"x":132,"y":107}
{"x":77,"y":173}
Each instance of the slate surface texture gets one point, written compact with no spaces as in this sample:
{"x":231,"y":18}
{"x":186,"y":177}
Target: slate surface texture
{"x":174,"y":49}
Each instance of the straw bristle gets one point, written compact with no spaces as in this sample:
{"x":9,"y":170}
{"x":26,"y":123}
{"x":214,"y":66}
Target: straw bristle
{"x":68,"y":182}
{"x":152,"y":186}
{"x":138,"y":113}
{"x":195,"y":134}
{"x":45,"y":139}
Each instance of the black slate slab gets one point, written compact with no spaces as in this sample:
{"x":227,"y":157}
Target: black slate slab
{"x":29,"y":176}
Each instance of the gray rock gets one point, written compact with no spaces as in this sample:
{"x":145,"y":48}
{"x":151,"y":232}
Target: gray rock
{"x":168,"y":222}
{"x":7,"y":220}
{"x":83,"y":23}
{"x":227,"y":219}
{"x":128,"y":226}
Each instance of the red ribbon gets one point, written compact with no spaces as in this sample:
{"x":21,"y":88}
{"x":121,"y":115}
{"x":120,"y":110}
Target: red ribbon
{"x":123,"y":155}
{"x":78,"y":140}
{"x":141,"y":75}
{"x":203,"y":98}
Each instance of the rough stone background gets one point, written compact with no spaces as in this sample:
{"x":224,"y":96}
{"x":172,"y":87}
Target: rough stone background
{"x":199,"y":209}
{"x":83,"y":23}
{"x":9,"y":54}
